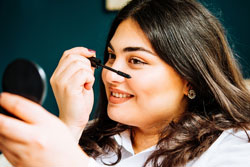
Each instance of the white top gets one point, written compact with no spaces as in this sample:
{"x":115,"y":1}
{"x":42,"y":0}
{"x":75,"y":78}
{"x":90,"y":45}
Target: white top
{"x":231,"y":149}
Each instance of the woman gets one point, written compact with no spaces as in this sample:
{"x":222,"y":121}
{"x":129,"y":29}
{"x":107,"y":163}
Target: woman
{"x":185,"y":105}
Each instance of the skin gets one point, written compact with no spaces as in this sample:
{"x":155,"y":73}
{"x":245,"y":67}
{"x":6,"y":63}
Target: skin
{"x":34,"y":141}
{"x":158,"y":91}
{"x":72,"y":83}
{"x":158,"y":96}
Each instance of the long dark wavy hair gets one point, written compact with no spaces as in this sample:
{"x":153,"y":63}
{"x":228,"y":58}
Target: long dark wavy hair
{"x":192,"y":41}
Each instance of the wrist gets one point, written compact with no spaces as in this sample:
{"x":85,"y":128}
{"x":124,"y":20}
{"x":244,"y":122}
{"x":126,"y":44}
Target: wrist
{"x":72,"y":122}
{"x":76,"y":132}
{"x":75,"y":128}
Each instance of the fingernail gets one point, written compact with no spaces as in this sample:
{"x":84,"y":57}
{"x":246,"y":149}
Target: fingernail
{"x":92,"y":51}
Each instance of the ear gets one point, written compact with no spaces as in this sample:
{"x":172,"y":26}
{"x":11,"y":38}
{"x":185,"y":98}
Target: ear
{"x":186,"y":88}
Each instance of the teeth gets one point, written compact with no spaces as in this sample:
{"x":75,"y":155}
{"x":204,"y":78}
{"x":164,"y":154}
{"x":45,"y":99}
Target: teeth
{"x":119,"y":95}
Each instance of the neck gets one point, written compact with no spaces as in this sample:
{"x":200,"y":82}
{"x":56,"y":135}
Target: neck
{"x":143,"y":139}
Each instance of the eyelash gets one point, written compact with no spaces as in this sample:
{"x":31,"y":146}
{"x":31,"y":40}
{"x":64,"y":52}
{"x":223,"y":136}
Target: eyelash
{"x":136,"y":61}
{"x":111,"y":54}
{"x":132,"y":60}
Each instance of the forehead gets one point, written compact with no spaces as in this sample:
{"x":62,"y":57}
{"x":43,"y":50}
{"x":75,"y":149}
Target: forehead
{"x":129,"y":33}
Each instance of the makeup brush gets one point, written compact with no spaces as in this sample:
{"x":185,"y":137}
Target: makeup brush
{"x":95,"y":62}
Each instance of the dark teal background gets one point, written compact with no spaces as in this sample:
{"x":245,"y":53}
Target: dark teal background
{"x":40,"y":30}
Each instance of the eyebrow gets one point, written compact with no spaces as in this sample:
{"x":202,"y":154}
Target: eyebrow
{"x":132,"y":49}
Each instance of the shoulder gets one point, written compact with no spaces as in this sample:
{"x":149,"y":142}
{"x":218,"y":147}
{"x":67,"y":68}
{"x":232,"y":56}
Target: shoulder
{"x":231,"y":149}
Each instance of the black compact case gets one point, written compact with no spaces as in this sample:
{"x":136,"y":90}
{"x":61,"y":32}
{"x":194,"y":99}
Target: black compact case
{"x":24,"y":78}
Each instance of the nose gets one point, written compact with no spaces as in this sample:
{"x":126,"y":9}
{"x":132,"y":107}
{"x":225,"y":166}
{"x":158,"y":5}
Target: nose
{"x":112,"y":77}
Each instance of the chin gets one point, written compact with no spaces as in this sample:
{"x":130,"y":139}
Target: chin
{"x":120,"y":118}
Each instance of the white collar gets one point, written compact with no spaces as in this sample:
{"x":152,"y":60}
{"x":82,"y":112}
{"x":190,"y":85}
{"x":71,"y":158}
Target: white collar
{"x":123,"y":139}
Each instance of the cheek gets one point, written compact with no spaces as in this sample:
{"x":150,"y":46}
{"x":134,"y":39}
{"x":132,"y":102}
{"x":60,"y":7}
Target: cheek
{"x":148,"y":84}
{"x":146,"y":90}
{"x":158,"y":91}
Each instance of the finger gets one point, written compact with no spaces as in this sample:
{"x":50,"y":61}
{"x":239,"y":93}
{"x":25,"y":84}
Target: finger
{"x":77,"y":82}
{"x":64,"y":79}
{"x":83,"y":78}
{"x":85,"y":52}
{"x":74,"y":66}
{"x":78,"y":60}
{"x":80,"y":50}
{"x":23,"y":108}
{"x":14,"y":129}
{"x":8,"y":144}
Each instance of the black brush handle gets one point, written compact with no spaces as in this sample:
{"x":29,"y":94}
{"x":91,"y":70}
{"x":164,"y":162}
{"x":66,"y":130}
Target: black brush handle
{"x":95,"y":62}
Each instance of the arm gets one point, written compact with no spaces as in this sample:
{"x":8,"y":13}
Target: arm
{"x":72,"y":83}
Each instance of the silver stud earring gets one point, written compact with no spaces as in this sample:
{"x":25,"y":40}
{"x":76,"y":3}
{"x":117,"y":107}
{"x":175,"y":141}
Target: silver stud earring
{"x":191,"y":94}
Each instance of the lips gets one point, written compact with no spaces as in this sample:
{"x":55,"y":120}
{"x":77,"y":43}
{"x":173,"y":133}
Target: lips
{"x":118,"y":96}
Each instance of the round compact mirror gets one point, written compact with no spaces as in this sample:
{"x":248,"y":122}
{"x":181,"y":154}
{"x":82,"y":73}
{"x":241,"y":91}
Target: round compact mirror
{"x":24,"y":78}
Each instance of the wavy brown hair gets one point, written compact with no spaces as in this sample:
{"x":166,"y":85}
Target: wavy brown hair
{"x":191,"y":40}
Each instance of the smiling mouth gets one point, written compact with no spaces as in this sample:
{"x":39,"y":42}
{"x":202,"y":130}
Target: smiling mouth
{"x":118,"y":98}
{"x":120,"y":95}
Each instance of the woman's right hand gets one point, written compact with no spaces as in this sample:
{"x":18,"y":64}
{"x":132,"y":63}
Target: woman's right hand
{"x":72,"y":83}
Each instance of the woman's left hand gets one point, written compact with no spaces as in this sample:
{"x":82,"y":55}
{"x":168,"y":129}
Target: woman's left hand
{"x":38,"y":139}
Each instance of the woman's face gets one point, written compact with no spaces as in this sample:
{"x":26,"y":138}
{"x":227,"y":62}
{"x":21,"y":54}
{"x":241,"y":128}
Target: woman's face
{"x":155,"y":93}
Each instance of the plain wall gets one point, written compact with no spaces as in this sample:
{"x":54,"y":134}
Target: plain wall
{"x":41,"y":30}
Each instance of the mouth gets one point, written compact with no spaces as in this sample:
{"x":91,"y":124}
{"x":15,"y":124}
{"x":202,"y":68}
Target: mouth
{"x":118,"y":96}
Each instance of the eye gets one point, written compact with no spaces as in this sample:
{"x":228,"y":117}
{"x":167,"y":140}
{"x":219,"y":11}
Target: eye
{"x":136,"y":61}
{"x":111,"y":56}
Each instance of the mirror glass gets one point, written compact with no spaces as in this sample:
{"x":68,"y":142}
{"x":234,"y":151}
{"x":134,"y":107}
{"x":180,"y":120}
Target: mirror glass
{"x":25,"y":78}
